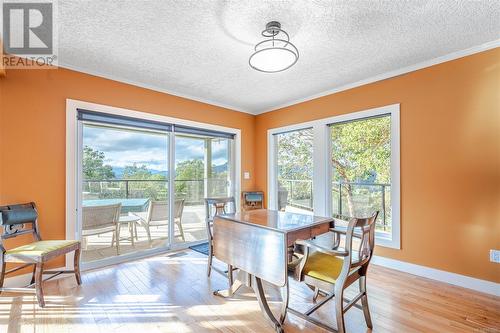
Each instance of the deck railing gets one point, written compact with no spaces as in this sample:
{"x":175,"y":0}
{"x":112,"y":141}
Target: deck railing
{"x":192,"y":190}
{"x":364,"y":198}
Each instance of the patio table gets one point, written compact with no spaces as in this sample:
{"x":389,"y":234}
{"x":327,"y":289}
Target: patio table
{"x":128,"y":205}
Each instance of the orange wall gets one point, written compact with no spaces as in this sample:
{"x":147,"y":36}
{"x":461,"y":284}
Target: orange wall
{"x":450,"y":149}
{"x":450,"y":158}
{"x":33,"y":126}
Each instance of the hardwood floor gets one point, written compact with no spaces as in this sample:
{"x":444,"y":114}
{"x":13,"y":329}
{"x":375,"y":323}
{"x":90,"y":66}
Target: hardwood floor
{"x":171,"y":293}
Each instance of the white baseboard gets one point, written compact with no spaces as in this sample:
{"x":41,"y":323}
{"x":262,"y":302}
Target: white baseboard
{"x":483,"y":286}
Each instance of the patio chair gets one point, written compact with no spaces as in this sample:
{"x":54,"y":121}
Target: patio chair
{"x":22,"y":219}
{"x":158,"y":215}
{"x":97,"y":220}
{"x":331,"y":271}
{"x":213,"y":207}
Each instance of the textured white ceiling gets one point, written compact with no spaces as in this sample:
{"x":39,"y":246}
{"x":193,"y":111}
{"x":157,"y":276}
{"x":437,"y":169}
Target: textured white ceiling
{"x":200,"y":48}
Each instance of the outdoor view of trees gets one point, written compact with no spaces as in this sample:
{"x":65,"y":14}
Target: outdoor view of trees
{"x":361,"y":161}
{"x":295,"y":169}
{"x":99,"y":178}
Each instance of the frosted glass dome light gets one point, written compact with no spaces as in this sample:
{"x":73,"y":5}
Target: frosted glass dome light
{"x":276,"y":53}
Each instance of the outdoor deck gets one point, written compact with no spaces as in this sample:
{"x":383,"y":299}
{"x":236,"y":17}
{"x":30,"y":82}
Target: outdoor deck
{"x":193,"y":222}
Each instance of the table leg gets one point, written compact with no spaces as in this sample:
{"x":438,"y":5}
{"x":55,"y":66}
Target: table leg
{"x":226,"y":293}
{"x":264,"y":306}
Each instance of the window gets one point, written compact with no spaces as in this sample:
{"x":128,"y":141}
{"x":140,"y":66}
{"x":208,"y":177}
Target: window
{"x":361,"y":169}
{"x":294,"y":155}
{"x":350,"y":162}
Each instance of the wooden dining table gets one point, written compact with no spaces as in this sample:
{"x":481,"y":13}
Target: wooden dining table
{"x":260,"y":244}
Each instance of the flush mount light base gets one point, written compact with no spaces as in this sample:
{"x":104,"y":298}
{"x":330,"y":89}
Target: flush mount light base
{"x":276,"y":53}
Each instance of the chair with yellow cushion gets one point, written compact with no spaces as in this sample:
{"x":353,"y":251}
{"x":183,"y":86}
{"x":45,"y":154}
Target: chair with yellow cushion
{"x":15,"y":221}
{"x":331,"y":271}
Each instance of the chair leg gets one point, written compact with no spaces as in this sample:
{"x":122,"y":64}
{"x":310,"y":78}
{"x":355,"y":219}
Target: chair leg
{"x":39,"y":284}
{"x":117,"y":237}
{"x":339,"y":308}
{"x":76,"y":266}
{"x":316,"y":294}
{"x":210,"y":257}
{"x":179,"y":224}
{"x":2,"y":275}
{"x":364,"y":302}
{"x":33,"y":275}
{"x":230,"y":275}
{"x":148,"y":233}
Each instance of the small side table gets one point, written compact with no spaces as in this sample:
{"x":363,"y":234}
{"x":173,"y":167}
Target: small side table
{"x":131,"y":220}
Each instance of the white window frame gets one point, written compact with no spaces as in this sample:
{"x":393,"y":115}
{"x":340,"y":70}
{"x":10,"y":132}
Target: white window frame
{"x":74,"y":167}
{"x":322,"y":166}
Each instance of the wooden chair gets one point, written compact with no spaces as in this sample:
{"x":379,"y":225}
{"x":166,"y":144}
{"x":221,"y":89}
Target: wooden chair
{"x":158,"y":215}
{"x":98,"y":220}
{"x":14,"y":221}
{"x":331,"y":271}
{"x":213,"y":207}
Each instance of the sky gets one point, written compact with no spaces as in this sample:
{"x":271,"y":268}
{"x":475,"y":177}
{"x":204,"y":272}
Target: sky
{"x":124,"y":147}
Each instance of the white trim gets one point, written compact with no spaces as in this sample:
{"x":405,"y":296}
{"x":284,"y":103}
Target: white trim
{"x":154,"y":88}
{"x":73,"y":165}
{"x":387,"y":75}
{"x":322,"y":174}
{"x":424,"y":64}
{"x":483,"y":286}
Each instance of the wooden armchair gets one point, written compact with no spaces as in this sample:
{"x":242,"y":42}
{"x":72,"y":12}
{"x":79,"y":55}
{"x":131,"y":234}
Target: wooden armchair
{"x":213,"y":207}
{"x":14,"y":220}
{"x":332,"y":271}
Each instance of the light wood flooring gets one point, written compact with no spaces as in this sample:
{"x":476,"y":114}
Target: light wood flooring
{"x":171,"y":293}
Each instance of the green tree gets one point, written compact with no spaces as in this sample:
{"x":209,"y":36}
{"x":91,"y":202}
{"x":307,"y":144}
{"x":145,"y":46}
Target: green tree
{"x":361,"y":152}
{"x":188,"y":170}
{"x":93,"y":165}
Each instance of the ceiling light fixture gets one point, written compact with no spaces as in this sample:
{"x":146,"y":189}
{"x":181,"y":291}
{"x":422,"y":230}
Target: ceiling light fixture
{"x":276,"y":53}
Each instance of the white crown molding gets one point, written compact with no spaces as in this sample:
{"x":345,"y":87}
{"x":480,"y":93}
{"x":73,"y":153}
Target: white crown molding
{"x":152,"y":87}
{"x":483,"y":286}
{"x":424,"y":64}
{"x":390,"y":74}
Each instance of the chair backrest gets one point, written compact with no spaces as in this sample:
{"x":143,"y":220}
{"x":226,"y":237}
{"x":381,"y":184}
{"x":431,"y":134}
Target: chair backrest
{"x":178,"y":208}
{"x":219,"y":206}
{"x":13,"y":219}
{"x":364,"y":230}
{"x":94,"y":217}
{"x":158,"y":210}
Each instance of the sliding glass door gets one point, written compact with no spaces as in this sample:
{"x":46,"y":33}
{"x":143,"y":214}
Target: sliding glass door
{"x":203,"y":168}
{"x":142,"y":184}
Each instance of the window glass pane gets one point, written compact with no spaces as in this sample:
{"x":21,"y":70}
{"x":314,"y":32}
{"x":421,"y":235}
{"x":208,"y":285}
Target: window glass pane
{"x":295,"y":171}
{"x":203,"y":168}
{"x":126,"y":167}
{"x":361,"y":175}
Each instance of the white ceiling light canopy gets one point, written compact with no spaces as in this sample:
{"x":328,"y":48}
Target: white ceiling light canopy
{"x":276,"y":53}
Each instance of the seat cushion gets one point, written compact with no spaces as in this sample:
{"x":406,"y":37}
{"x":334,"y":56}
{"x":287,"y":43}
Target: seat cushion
{"x":35,"y":251}
{"x":322,"y":266}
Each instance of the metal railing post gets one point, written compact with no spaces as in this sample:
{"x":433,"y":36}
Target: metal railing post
{"x":126,"y":189}
{"x":340,"y":198}
{"x":383,"y":206}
